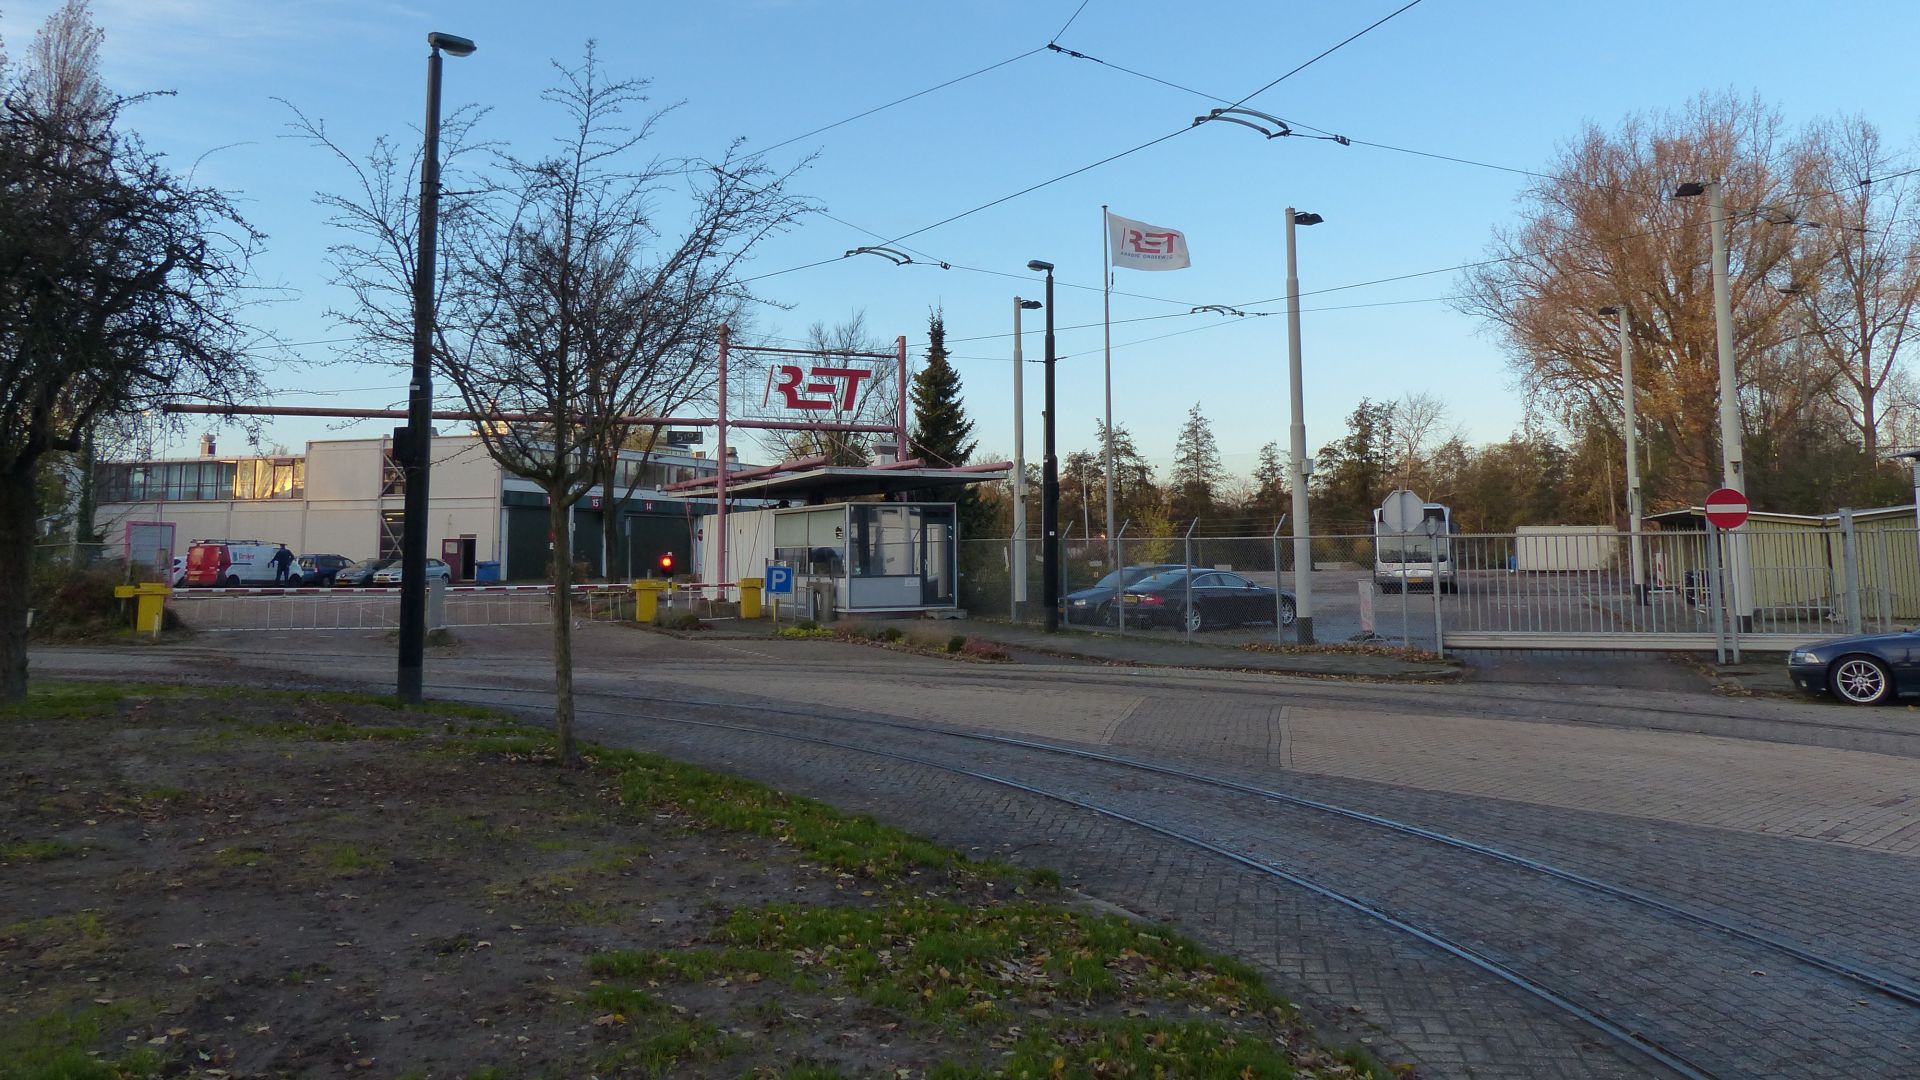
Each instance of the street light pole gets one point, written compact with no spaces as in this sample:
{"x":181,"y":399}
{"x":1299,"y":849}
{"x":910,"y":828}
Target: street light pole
{"x":1302,"y":527}
{"x":1049,"y":477}
{"x":416,"y":453}
{"x":1019,"y":464}
{"x":1634,"y":556}
{"x":1732,"y":474}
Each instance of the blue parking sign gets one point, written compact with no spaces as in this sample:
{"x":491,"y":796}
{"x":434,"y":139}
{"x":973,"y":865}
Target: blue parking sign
{"x":779,"y":580}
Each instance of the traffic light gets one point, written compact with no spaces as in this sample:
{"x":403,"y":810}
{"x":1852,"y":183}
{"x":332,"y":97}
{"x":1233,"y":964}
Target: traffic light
{"x":666,"y":564}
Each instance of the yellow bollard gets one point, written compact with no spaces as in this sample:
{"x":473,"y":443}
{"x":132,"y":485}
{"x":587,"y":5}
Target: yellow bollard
{"x":646,"y":599}
{"x":150,"y":604}
{"x":750,"y":596}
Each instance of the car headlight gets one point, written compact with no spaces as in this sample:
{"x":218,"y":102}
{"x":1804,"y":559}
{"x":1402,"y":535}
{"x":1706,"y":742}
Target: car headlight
{"x":1802,"y":656}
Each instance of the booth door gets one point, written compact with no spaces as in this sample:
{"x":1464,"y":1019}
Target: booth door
{"x":936,"y":556}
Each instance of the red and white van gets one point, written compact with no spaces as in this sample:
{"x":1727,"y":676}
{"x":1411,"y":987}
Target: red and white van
{"x":230,"y":562}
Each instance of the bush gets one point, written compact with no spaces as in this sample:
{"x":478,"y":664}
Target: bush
{"x":890,"y":634}
{"x":77,"y":602}
{"x":956,"y":643}
{"x":680,"y":620}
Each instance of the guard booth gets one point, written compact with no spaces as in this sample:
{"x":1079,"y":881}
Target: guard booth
{"x":848,"y":557}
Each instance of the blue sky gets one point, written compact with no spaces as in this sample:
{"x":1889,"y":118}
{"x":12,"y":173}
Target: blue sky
{"x":1500,"y":82}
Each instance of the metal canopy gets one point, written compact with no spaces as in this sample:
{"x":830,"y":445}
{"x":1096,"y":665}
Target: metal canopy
{"x":843,"y":482}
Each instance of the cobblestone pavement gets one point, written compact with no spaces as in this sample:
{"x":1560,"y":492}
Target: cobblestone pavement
{"x":1794,"y":818}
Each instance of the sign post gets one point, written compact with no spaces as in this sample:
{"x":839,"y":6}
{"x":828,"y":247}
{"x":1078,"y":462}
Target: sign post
{"x":779,"y":583}
{"x":1401,"y":516}
{"x":1727,"y":512}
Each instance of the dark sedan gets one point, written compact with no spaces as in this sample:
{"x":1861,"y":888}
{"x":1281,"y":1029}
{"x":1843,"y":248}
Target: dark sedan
{"x":360,"y":574}
{"x":1094,"y":604}
{"x":1865,"y":670}
{"x":1218,"y":598}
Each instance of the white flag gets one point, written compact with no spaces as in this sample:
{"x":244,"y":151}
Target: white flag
{"x":1140,"y":246}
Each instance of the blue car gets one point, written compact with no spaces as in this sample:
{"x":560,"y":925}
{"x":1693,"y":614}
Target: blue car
{"x":1866,"y":670}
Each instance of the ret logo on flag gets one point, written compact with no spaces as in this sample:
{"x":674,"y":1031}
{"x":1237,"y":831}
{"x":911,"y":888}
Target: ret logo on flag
{"x":1141,"y":246}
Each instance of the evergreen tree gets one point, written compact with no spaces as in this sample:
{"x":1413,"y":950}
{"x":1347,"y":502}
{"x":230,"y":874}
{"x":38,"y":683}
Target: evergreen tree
{"x":1270,"y":488}
{"x":1197,"y":472}
{"x":941,"y":430}
{"x":1354,"y":473}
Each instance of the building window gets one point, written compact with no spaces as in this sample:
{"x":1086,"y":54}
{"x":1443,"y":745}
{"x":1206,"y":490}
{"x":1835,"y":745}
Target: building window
{"x":391,"y":524}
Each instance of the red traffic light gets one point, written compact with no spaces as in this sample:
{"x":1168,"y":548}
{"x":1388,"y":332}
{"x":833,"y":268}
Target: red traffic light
{"x":666,"y":563}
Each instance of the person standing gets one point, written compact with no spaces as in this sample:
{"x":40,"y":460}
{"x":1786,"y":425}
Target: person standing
{"x":282,"y":560}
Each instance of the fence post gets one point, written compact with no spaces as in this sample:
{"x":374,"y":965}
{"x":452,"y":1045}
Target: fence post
{"x":1439,"y":638}
{"x":1716,"y":592}
{"x":1186,"y":614}
{"x":1279,"y":598}
{"x":1120,"y":583}
{"x":1850,"y":564}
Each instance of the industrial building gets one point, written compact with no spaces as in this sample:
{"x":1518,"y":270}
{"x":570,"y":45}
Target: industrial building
{"x":344,"y":497}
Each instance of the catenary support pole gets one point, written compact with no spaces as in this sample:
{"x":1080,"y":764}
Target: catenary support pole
{"x":1106,"y":337}
{"x":1302,"y":527}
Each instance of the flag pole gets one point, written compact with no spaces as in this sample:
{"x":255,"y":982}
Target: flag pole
{"x":1106,"y":325}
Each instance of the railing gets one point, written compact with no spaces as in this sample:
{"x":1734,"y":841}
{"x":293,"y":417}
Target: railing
{"x":265,"y":609}
{"x":1757,"y":587}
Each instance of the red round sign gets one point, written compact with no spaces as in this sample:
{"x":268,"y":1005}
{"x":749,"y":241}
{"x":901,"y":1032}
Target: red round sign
{"x":1727,"y":509}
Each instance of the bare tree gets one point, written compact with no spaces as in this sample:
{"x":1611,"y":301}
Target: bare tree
{"x":1419,"y":420}
{"x":1602,"y":232}
{"x":1858,"y":304}
{"x":659,"y":353}
{"x":560,"y":302}
{"x":876,"y":399}
{"x":118,"y":291}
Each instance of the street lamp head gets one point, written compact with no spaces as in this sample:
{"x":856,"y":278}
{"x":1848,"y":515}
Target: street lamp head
{"x":1031,"y":305}
{"x":1039,"y":266}
{"x":1307,"y":219}
{"x":451,"y":44}
{"x":1689,"y":189}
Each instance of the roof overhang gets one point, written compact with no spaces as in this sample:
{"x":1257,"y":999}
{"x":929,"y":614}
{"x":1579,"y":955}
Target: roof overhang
{"x":843,"y":482}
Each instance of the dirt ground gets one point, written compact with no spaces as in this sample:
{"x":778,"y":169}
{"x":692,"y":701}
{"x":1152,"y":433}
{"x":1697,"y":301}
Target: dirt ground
{"x":223,"y":884}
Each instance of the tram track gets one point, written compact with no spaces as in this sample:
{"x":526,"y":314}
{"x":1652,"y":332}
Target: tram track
{"x":1612,"y":1018}
{"x":1880,"y":982}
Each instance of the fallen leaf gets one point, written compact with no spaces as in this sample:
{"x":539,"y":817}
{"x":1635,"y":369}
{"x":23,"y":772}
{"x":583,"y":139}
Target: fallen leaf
{"x":609,"y":1019}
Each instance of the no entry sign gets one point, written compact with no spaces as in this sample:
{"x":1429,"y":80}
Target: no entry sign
{"x":1727,"y":509}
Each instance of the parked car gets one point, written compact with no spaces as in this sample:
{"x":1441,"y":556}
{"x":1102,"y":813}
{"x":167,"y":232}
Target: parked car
{"x":178,"y":575}
{"x":1094,"y":604}
{"x":360,"y":575}
{"x":390,"y":574}
{"x":317,"y":570}
{"x":1866,"y":670}
{"x":231,"y":562}
{"x":1219,"y":599}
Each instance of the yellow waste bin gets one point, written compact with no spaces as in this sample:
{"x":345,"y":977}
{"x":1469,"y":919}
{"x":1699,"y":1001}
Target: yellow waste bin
{"x":150,"y":604}
{"x":750,"y":588}
{"x":646,"y":599}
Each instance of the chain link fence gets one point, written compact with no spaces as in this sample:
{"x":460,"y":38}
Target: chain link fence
{"x":1556,"y":588}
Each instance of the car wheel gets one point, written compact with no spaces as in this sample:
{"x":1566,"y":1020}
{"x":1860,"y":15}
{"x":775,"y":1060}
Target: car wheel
{"x":1196,"y":620}
{"x":233,"y":581}
{"x":1860,"y":680}
{"x":1287,"y":612}
{"x":1389,"y":588}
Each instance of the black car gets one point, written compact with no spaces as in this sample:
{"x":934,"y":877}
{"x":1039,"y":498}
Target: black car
{"x":1218,"y":598}
{"x":1866,"y":670}
{"x":317,"y":570}
{"x":1094,"y":605}
{"x":360,"y":575}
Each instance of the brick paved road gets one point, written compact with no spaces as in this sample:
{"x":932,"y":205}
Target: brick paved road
{"x":1791,"y":817}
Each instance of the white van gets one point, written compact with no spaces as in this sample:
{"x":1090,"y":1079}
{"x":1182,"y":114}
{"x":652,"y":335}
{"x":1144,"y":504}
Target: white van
{"x":231,"y":562}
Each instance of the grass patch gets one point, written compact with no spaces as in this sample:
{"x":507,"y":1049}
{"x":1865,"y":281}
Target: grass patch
{"x":58,"y":939}
{"x":835,"y":840}
{"x":54,"y":1046}
{"x":240,"y":856}
{"x":803,"y":632}
{"x":691,"y":965}
{"x":38,"y":851}
{"x":1133,"y":1047}
{"x":945,"y":959}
